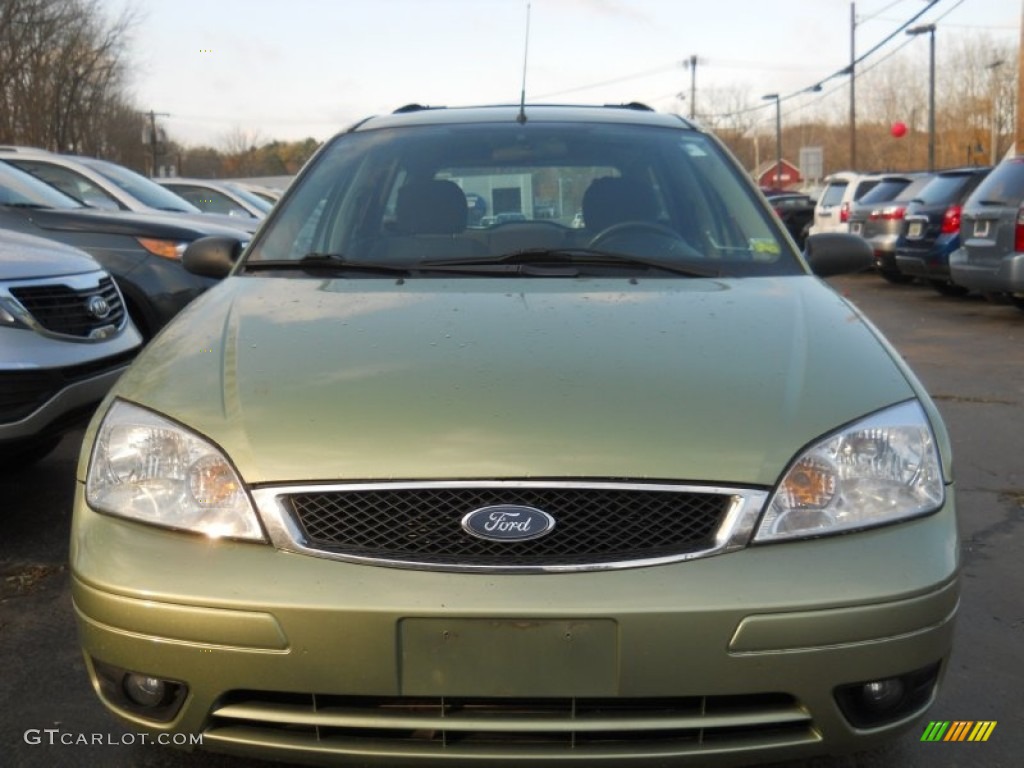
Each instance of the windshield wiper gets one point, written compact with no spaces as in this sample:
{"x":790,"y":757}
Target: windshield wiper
{"x":992,"y":202}
{"x":321,"y":262}
{"x":578,"y":257}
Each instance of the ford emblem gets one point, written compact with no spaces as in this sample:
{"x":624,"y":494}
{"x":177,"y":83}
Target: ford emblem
{"x":508,"y":522}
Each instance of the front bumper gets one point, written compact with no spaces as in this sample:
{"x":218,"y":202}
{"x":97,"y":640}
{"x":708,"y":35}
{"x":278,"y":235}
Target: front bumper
{"x":304,"y":658}
{"x":1005,"y":275}
{"x":44,"y":402}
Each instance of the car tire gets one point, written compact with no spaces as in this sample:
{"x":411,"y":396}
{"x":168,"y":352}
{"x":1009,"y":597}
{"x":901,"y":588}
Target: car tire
{"x":947,"y":288}
{"x":896,"y":278}
{"x":1018,"y":302}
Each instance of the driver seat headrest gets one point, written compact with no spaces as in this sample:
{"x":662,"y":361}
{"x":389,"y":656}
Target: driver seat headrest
{"x":612,"y":200}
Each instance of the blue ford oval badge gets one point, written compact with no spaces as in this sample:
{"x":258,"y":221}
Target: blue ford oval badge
{"x":508,"y":522}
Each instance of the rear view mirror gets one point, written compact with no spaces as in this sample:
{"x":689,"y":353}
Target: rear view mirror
{"x":213,"y":256}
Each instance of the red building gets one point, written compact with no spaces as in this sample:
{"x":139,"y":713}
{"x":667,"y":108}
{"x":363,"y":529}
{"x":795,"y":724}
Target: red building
{"x":788,"y":176}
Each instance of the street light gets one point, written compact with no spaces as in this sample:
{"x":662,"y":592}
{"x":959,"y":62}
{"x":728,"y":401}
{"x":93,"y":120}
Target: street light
{"x":930,"y":30}
{"x":778,"y":136}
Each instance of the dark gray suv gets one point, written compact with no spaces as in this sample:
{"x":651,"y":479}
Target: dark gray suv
{"x":991,"y":257}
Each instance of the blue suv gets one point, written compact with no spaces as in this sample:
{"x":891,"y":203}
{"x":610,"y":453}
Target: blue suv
{"x":931,"y":228}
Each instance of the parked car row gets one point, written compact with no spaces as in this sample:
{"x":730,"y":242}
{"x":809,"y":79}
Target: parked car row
{"x":90,"y":268}
{"x":109,"y":186}
{"x":958,"y":230}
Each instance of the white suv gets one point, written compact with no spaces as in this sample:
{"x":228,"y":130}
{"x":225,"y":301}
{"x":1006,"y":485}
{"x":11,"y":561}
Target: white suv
{"x":841,"y":191}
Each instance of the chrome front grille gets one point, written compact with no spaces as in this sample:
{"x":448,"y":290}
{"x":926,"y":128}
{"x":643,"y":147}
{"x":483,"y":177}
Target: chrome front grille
{"x":542,"y":728}
{"x":597,"y":525}
{"x":76,"y":307}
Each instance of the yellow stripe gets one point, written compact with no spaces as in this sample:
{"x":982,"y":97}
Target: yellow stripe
{"x":987,"y":728}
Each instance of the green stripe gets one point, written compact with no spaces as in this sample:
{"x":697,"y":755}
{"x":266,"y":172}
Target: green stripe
{"x":935,"y":731}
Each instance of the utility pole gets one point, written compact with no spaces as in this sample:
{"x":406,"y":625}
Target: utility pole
{"x":693,"y":87}
{"x":1018,"y":134}
{"x":853,"y":91}
{"x":929,"y":29}
{"x":153,"y":138}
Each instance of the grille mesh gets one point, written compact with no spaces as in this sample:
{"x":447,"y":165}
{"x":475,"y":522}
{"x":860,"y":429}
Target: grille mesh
{"x":593,"y":525}
{"x":62,"y":309}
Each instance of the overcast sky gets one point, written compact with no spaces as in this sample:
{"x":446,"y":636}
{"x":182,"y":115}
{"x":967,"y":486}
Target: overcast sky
{"x":288,"y":69}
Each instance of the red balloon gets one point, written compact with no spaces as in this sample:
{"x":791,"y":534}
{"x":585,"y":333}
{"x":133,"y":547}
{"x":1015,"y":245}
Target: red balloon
{"x":899,"y":130}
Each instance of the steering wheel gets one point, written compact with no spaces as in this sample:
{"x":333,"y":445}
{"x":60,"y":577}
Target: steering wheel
{"x":627,"y":228}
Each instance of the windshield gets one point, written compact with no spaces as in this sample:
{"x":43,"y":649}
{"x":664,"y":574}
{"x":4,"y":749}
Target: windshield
{"x":943,"y":189}
{"x":833,"y":193}
{"x":885,"y":190}
{"x":478,"y":191}
{"x":1005,"y":184}
{"x":18,"y":187}
{"x":147,"y":192}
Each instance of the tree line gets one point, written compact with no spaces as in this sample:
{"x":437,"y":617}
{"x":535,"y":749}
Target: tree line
{"x":63,"y":78}
{"x":975,"y":112}
{"x":64,"y":68}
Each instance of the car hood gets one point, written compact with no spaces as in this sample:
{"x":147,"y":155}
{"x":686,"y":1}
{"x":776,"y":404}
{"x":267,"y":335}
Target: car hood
{"x":23,"y":257}
{"x":703,"y":380}
{"x":166,"y":226}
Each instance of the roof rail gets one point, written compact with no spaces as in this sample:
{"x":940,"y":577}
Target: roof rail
{"x":639,"y":106}
{"x":412,"y":108}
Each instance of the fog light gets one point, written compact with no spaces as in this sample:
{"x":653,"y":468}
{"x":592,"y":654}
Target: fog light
{"x":876,"y":703}
{"x":154,"y":698}
{"x":144,"y":690}
{"x":883,"y":694}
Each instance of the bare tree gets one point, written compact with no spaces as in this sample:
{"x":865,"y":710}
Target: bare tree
{"x":62,"y":72}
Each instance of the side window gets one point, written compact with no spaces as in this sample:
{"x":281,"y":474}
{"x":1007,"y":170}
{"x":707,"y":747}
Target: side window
{"x":211,"y":201}
{"x":73,"y":184}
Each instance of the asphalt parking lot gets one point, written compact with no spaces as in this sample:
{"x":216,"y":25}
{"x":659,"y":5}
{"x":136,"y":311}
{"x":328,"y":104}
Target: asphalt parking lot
{"x":969,"y":354}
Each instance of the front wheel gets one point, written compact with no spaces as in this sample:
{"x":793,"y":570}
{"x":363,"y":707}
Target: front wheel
{"x":895,"y":277}
{"x":1018,"y":302}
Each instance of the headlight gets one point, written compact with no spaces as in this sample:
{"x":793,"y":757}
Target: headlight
{"x":148,"y":468}
{"x":876,"y":471}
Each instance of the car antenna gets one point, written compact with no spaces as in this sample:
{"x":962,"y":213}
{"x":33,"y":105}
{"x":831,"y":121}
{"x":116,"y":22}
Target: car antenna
{"x":521,"y":118}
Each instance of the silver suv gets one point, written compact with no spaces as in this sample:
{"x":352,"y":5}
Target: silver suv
{"x":991,"y":256}
{"x":65,"y":337}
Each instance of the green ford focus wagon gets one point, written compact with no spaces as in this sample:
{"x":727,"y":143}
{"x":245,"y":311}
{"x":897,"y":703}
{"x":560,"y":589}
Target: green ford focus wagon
{"x":519,"y":434}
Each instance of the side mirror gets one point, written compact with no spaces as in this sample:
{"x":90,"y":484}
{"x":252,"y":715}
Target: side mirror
{"x":213,"y":256}
{"x":837,"y":253}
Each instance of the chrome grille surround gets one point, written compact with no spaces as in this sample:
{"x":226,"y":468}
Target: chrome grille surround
{"x":552,"y":729}
{"x":59,"y":306}
{"x":740,"y":510}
